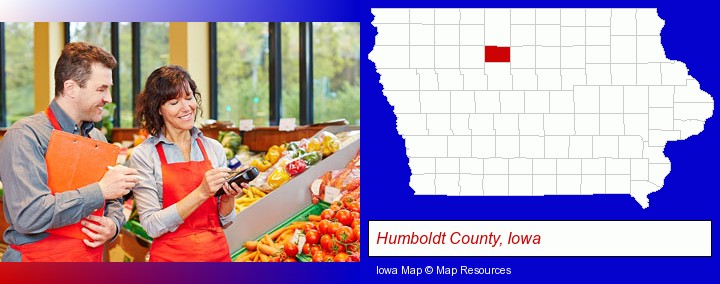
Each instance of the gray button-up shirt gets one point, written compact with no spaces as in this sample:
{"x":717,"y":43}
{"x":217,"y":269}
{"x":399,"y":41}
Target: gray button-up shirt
{"x":28,"y":205}
{"x":149,"y":193}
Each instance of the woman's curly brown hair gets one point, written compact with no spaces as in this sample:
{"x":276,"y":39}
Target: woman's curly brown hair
{"x":163,"y":84}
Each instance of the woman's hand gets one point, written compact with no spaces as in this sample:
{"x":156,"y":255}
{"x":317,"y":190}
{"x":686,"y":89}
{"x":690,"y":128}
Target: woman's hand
{"x":213,"y":181}
{"x":232,"y":191}
{"x":227,"y":201}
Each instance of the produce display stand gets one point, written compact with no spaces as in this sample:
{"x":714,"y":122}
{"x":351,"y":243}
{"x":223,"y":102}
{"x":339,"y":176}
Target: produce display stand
{"x":289,"y":203}
{"x":314,"y":209}
{"x":289,"y":199}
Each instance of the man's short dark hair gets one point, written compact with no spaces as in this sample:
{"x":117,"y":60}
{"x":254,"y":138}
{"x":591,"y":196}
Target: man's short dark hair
{"x":76,"y":61}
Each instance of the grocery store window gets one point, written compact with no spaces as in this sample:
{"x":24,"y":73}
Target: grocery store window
{"x":336,"y":71}
{"x":242,"y":72}
{"x":94,"y":33}
{"x":139,"y":48}
{"x":154,"y":48}
{"x":16,"y":72}
{"x":125,"y":78}
{"x":318,"y":76}
{"x":290,"y":91}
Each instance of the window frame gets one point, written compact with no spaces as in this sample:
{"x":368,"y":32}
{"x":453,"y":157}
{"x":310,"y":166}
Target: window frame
{"x":274,"y":72}
{"x":3,"y":109}
{"x":115,"y":51}
{"x":306,"y":101}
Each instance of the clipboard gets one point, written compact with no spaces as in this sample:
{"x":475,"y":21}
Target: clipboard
{"x":73,"y":162}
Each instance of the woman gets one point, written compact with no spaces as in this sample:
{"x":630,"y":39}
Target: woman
{"x":180,"y":171}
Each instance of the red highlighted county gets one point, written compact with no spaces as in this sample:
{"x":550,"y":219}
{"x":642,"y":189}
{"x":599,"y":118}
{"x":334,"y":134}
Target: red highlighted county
{"x":497,"y":53}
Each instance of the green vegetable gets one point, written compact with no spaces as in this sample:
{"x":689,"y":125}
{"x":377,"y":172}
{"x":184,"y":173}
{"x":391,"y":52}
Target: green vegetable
{"x":298,"y":153}
{"x":235,"y":142}
{"x":221,"y":136}
{"x":229,"y":153}
{"x":311,"y":158}
{"x":230,"y":141}
{"x":292,"y":146}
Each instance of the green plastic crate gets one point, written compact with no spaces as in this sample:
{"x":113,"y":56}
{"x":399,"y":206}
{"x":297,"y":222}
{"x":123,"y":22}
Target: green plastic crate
{"x":134,"y":227}
{"x":314,"y":209}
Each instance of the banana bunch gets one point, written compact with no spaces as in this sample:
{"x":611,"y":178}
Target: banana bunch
{"x":251,"y":194}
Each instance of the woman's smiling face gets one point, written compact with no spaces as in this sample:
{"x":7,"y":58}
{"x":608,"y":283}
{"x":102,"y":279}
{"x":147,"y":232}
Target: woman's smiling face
{"x":179,"y":113}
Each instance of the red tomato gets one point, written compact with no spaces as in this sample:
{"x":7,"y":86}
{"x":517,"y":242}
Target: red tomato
{"x":308,"y":226}
{"x":333,"y":227}
{"x":336,"y":206}
{"x":341,"y":257}
{"x":354,"y":206}
{"x":355,"y":223}
{"x":338,"y":247}
{"x":290,"y":249}
{"x":327,"y":214}
{"x":355,"y":257}
{"x":323,"y":226}
{"x":306,"y":248}
{"x":314,"y":249}
{"x":354,"y":247}
{"x":356,"y":233}
{"x":312,"y":237}
{"x":328,"y":258}
{"x":356,"y":215}
{"x":290,"y":260}
{"x":326,"y":242}
{"x":347,"y":200}
{"x":344,"y":217}
{"x":345,"y":235}
{"x":318,"y":256}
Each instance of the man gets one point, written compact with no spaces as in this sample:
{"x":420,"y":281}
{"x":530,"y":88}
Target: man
{"x":83,"y":77}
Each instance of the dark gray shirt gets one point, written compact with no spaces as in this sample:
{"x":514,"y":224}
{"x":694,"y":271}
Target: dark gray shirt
{"x":29,"y":206}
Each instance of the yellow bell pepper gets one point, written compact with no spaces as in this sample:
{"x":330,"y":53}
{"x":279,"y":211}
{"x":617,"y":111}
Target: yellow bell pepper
{"x":274,"y":148}
{"x":330,"y":144}
{"x":261,"y":165}
{"x":278,"y":177}
{"x":313,"y":145}
{"x":273,"y":154}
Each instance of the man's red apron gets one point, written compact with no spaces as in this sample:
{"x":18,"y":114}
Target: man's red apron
{"x":200,"y":237}
{"x":63,"y":244}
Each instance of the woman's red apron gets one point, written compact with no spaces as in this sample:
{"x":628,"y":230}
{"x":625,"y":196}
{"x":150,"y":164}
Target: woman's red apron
{"x":200,"y":238}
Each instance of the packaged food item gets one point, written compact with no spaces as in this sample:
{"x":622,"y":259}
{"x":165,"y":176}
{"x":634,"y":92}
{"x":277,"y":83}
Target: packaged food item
{"x":311,"y":158}
{"x":333,"y":185}
{"x":273,"y":154}
{"x":278,"y":177}
{"x":313,"y":144}
{"x":296,"y":167}
{"x":261,"y":164}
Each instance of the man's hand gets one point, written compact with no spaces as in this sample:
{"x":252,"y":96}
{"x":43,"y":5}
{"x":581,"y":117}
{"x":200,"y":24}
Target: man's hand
{"x":118,"y":181}
{"x":99,"y":233}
